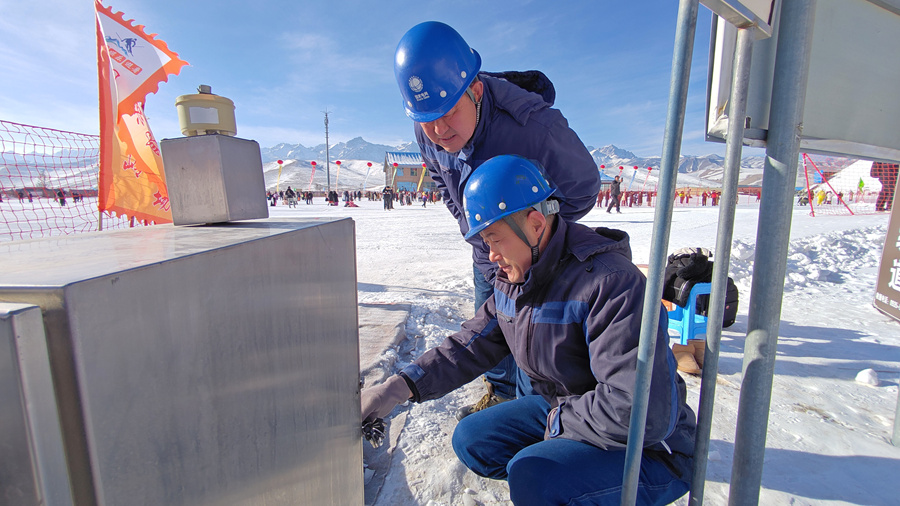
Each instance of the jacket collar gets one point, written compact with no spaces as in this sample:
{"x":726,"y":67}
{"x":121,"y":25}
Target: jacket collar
{"x":572,"y":239}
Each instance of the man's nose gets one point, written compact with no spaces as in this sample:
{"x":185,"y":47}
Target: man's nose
{"x":439,"y":126}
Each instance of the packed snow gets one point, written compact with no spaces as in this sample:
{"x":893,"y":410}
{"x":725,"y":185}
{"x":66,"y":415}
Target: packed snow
{"x":836,"y":375}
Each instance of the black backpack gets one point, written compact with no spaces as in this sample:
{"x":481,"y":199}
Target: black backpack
{"x":690,"y":266}
{"x":731,"y":304}
{"x":529,"y":80}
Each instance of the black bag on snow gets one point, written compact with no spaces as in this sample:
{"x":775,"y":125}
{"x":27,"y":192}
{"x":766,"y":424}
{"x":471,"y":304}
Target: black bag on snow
{"x":683,"y":270}
{"x":687,"y":267}
{"x":731,"y":304}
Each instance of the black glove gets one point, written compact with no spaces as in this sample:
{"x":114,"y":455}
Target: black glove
{"x":378,"y":401}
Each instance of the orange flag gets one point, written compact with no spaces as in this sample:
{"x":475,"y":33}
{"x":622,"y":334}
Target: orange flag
{"x":131,"y":65}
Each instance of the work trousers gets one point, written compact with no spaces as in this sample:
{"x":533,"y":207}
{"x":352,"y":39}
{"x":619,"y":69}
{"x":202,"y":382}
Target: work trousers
{"x":506,"y":442}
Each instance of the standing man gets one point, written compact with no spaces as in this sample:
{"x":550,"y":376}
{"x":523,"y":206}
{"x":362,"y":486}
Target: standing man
{"x":614,"y":193}
{"x":388,"y":197}
{"x":291,"y":197}
{"x":567,"y":303}
{"x":463,"y":118}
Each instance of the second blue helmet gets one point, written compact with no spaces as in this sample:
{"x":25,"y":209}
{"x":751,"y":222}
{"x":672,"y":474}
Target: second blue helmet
{"x":501,"y":187}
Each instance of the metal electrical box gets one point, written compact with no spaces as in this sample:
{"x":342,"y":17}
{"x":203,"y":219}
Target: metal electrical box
{"x":209,"y":365}
{"x":213,"y":179}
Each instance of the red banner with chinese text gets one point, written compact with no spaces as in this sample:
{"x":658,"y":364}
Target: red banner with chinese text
{"x":131,"y":64}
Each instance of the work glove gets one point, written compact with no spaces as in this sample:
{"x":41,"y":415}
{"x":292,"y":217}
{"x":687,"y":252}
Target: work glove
{"x":379,"y":400}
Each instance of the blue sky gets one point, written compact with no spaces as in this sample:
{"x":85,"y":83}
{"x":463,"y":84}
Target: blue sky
{"x":284,"y":63}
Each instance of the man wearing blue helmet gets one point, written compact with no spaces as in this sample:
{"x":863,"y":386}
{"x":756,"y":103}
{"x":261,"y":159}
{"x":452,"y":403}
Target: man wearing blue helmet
{"x":465,"y":117}
{"x":567,"y":304}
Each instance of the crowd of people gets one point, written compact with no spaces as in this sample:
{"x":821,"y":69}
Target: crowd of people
{"x":348,"y":198}
{"x":59,"y":195}
{"x":613,"y":196}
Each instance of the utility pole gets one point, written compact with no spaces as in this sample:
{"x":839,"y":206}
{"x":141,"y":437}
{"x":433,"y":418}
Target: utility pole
{"x":327,"y":159}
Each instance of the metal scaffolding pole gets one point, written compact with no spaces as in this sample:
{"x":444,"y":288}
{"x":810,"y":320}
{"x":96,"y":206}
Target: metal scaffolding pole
{"x":327,"y":161}
{"x":772,"y":237}
{"x":895,"y":440}
{"x":737,"y":111}
{"x":662,"y":220}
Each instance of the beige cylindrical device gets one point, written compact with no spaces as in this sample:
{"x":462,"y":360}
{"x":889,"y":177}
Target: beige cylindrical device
{"x":204,"y":113}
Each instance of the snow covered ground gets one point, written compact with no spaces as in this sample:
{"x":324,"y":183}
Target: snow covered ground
{"x":829,"y":435}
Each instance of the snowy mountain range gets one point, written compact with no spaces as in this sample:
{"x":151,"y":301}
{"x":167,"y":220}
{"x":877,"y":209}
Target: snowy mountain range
{"x":18,"y":170}
{"x":704,"y":170}
{"x":610,"y":155}
{"x":354,"y":149}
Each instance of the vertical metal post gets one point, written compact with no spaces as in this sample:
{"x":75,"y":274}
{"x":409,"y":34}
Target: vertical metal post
{"x":327,"y":160}
{"x":662,"y":220}
{"x":773,"y":234}
{"x":743,"y":53}
{"x":896,"y":439}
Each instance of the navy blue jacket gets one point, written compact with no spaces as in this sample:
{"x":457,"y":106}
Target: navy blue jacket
{"x":573,"y":326}
{"x":515,"y":122}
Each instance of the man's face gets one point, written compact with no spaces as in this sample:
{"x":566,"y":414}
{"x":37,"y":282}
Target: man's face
{"x":453,"y":130}
{"x":507,"y":250}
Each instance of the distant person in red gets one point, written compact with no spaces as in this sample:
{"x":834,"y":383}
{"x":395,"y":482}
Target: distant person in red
{"x":887,"y":174}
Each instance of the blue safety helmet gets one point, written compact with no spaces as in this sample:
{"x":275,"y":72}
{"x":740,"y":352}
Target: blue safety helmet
{"x":434,"y":67}
{"x":502,"y":186}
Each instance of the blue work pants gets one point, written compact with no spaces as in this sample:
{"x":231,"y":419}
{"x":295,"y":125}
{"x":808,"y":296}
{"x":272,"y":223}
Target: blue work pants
{"x":506,"y":442}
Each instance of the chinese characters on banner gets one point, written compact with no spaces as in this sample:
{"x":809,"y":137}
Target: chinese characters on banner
{"x":131,"y":65}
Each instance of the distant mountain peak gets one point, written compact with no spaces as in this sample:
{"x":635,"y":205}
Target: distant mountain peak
{"x":613,"y":151}
{"x":354,"y":149}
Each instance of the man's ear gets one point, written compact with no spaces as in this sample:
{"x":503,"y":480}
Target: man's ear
{"x":478,"y":90}
{"x":536,"y":222}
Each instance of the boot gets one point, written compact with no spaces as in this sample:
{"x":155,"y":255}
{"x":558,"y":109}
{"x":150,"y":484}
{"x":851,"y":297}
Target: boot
{"x":684,"y":355}
{"x":699,"y":350}
{"x":489,"y":399}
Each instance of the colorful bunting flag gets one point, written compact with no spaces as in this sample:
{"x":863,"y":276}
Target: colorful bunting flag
{"x":131,"y":65}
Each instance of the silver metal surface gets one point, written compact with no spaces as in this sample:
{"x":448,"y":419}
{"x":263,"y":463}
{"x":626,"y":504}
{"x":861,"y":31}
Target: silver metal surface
{"x":202,"y":365}
{"x":32,"y":459}
{"x":213,"y":179}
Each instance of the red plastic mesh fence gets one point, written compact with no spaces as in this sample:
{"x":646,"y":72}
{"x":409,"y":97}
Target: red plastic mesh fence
{"x":48,"y":183}
{"x":842,"y":186}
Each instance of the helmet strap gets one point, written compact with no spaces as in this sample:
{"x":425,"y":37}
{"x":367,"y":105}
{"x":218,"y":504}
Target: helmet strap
{"x":535,"y":254}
